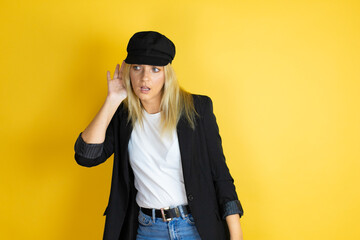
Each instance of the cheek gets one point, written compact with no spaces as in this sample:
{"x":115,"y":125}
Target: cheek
{"x":133,"y":85}
{"x":132,"y":80}
{"x":133,"y":76}
{"x":159,"y":82}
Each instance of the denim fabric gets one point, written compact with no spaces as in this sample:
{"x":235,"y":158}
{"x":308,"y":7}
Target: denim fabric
{"x":151,"y":228}
{"x":232,"y":207}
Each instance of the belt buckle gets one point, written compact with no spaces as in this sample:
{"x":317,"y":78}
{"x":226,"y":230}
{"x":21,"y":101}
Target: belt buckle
{"x":185,"y":210}
{"x":163,"y":214}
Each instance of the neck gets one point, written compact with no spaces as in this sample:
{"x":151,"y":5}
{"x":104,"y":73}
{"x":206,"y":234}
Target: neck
{"x":151,"y":108}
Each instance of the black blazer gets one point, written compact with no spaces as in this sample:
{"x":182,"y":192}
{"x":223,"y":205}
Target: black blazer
{"x":209,"y":186}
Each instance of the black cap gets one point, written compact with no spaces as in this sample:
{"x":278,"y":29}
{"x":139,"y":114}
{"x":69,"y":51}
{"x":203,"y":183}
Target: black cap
{"x":150,"y":48}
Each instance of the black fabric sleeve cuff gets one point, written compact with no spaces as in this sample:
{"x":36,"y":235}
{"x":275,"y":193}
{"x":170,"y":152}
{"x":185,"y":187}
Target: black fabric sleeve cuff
{"x":232,"y":207}
{"x":88,"y":150}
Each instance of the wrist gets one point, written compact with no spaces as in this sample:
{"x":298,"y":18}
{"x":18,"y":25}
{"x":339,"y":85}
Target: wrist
{"x":114,"y":100}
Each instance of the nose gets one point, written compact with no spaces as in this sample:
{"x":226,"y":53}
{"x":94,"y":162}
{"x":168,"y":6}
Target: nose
{"x":145,"y":74}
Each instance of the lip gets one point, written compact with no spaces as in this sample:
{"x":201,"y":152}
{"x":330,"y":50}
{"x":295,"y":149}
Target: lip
{"x":144,"y":91}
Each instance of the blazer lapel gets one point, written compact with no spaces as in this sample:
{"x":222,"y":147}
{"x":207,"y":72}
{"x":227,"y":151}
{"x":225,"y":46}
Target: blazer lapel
{"x":186,"y":145}
{"x":125,"y":134}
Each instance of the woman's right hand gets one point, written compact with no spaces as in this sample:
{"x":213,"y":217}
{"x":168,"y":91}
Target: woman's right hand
{"x":116,"y":87}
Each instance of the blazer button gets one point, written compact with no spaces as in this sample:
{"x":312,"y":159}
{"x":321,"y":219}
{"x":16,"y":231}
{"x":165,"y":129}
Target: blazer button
{"x":190,"y":197}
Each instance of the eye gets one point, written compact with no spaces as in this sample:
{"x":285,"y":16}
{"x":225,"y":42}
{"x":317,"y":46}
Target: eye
{"x":136,"y":67}
{"x":156,"y":69}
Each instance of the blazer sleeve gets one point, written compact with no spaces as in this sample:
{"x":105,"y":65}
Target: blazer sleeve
{"x":92,"y":154}
{"x":223,"y":181}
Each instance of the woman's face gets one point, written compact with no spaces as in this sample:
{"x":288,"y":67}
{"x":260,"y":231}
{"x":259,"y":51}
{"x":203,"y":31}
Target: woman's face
{"x":147,"y":82}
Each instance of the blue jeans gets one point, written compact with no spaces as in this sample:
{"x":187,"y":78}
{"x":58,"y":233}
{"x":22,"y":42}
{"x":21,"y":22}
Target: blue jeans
{"x":152,"y":228}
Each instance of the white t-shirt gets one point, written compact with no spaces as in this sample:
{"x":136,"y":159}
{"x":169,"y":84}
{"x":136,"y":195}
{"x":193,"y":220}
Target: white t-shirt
{"x":156,"y":163}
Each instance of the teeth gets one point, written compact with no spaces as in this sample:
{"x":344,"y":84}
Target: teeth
{"x":143,"y":88}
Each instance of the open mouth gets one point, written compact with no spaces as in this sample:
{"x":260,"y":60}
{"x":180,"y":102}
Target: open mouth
{"x":144,"y":89}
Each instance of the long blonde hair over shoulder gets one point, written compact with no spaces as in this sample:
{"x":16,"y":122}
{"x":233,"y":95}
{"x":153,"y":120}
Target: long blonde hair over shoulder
{"x":175,"y":101}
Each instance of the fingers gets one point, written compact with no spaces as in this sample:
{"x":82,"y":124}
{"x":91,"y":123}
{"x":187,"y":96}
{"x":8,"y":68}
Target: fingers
{"x":122,"y":67}
{"x":118,"y":71}
{"x":108,"y":76}
{"x":116,"y":74}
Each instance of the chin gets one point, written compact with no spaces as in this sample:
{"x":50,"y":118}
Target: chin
{"x":142,"y":97}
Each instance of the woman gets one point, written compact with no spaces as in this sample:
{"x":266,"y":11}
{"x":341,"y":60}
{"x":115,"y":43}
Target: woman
{"x":170,"y":179}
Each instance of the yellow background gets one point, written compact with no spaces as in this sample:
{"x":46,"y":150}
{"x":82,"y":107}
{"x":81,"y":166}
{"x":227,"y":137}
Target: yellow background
{"x":283,"y":76}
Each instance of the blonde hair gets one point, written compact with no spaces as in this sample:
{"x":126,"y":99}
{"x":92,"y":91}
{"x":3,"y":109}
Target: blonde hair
{"x":175,"y":101}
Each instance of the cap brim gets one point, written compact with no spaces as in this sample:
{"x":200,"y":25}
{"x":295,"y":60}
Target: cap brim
{"x":147,"y":60}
